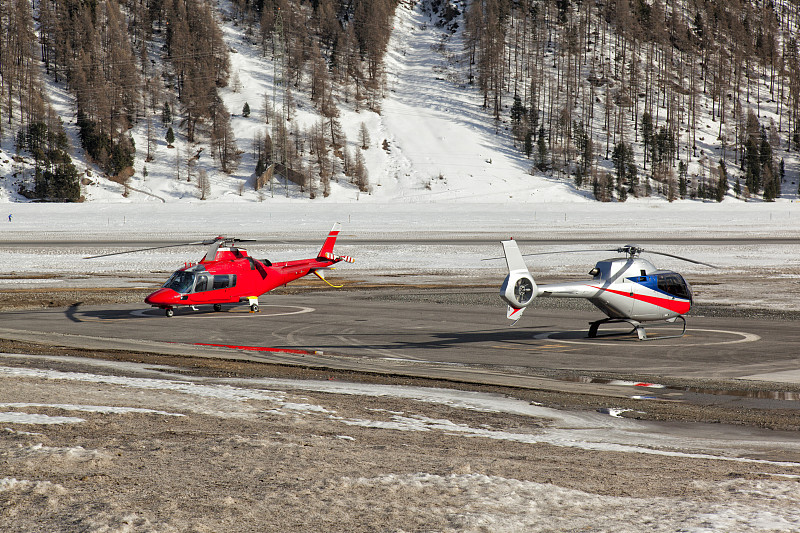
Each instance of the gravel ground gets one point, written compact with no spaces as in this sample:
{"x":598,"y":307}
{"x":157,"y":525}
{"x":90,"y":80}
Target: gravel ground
{"x":287,"y":459}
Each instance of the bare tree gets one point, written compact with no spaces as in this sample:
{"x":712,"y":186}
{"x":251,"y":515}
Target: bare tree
{"x":203,"y":184}
{"x":363,"y":136}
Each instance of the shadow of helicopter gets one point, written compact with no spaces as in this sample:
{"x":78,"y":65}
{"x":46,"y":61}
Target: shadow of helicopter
{"x":75,"y":314}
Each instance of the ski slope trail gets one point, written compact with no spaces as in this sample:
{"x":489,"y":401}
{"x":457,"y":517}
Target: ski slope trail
{"x":442,"y":144}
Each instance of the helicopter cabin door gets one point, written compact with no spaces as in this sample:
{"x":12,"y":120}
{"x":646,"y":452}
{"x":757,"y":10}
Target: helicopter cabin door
{"x":660,"y":295}
{"x":639,"y":286}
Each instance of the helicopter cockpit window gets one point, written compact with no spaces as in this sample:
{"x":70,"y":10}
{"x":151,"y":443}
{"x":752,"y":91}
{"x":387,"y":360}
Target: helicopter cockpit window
{"x":180,"y":282}
{"x":202,"y":283}
{"x":224,"y":281}
{"x":674,"y":285}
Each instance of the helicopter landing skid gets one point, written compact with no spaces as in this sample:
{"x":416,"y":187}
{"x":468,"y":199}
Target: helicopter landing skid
{"x":638,"y":328}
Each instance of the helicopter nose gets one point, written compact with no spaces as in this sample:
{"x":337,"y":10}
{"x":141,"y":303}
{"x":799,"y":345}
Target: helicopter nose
{"x":162,"y":297}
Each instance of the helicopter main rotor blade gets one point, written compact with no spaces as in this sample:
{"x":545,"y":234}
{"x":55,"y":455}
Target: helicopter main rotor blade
{"x":681,"y":258}
{"x":561,"y":252}
{"x":148,"y":249}
{"x":574,"y":251}
{"x":629,"y":249}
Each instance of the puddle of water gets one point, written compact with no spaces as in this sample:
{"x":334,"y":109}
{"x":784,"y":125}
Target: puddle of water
{"x":751,"y":394}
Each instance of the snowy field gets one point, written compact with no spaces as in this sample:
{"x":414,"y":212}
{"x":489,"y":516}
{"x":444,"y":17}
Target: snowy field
{"x":413,"y":243}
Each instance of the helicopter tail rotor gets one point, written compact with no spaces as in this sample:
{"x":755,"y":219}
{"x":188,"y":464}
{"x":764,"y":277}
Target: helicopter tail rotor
{"x":519,"y":288}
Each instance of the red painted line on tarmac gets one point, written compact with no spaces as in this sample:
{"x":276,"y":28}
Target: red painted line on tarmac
{"x":256,"y":348}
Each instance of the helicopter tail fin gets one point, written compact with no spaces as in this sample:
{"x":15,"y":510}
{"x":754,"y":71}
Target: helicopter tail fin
{"x":327,"y":246}
{"x":326,"y":252}
{"x":514,"y":314}
{"x":518,"y":289}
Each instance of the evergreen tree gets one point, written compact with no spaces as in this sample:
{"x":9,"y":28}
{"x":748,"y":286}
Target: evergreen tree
{"x":544,"y":164}
{"x":683,"y":170}
{"x":518,"y":111}
{"x":246,"y":110}
{"x":518,"y":114}
{"x":122,"y":154}
{"x":166,"y":114}
{"x":752,"y":166}
{"x":771,"y":185}
{"x":722,"y":183}
{"x":584,"y":146}
{"x":528,"y":147}
{"x":170,"y":137}
{"x":619,"y":158}
{"x":647,"y":134}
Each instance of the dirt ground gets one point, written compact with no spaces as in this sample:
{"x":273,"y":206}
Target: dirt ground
{"x":209,"y":446}
{"x":296,"y":460}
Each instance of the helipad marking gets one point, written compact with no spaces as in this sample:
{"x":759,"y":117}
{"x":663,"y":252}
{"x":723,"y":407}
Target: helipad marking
{"x":533,"y":348}
{"x":745,"y":337}
{"x":300,"y":310}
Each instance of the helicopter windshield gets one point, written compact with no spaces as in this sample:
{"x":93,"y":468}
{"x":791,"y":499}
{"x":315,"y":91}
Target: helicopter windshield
{"x":674,"y":284}
{"x":180,"y":282}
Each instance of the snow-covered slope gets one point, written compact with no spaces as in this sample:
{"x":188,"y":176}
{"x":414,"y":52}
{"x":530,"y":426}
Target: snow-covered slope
{"x":430,"y":142}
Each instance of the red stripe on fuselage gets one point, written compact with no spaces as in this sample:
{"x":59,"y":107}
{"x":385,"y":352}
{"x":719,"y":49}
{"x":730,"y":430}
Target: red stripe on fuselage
{"x":676,"y":306}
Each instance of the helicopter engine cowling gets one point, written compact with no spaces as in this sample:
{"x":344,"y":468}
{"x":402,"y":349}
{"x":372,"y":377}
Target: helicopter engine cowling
{"x":518,"y":289}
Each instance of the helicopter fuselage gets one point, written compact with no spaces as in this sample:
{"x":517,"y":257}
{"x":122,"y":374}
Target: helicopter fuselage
{"x":227,"y":274}
{"x":629,"y":289}
{"x":231,"y":277}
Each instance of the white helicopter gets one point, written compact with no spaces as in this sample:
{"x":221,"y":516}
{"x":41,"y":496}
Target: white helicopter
{"x":627,"y":289}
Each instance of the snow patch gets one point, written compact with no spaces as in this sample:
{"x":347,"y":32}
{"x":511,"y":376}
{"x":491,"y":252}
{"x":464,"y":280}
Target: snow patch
{"x":105,"y":409}
{"x":9,"y":484}
{"x":28,"y":418}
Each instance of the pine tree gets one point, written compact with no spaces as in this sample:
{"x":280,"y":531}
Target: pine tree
{"x":770,"y":185}
{"x":544,"y":164}
{"x":647,"y":134}
{"x":246,"y":110}
{"x":528,"y":143}
{"x":683,"y":170}
{"x":170,"y":137}
{"x":722,"y":183}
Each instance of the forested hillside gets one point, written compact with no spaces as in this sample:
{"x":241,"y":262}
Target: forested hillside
{"x":126,"y":64}
{"x":660,"y":88}
{"x":622,"y":98}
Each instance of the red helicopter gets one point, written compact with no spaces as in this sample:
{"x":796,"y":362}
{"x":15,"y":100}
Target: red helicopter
{"x":228,"y":275}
